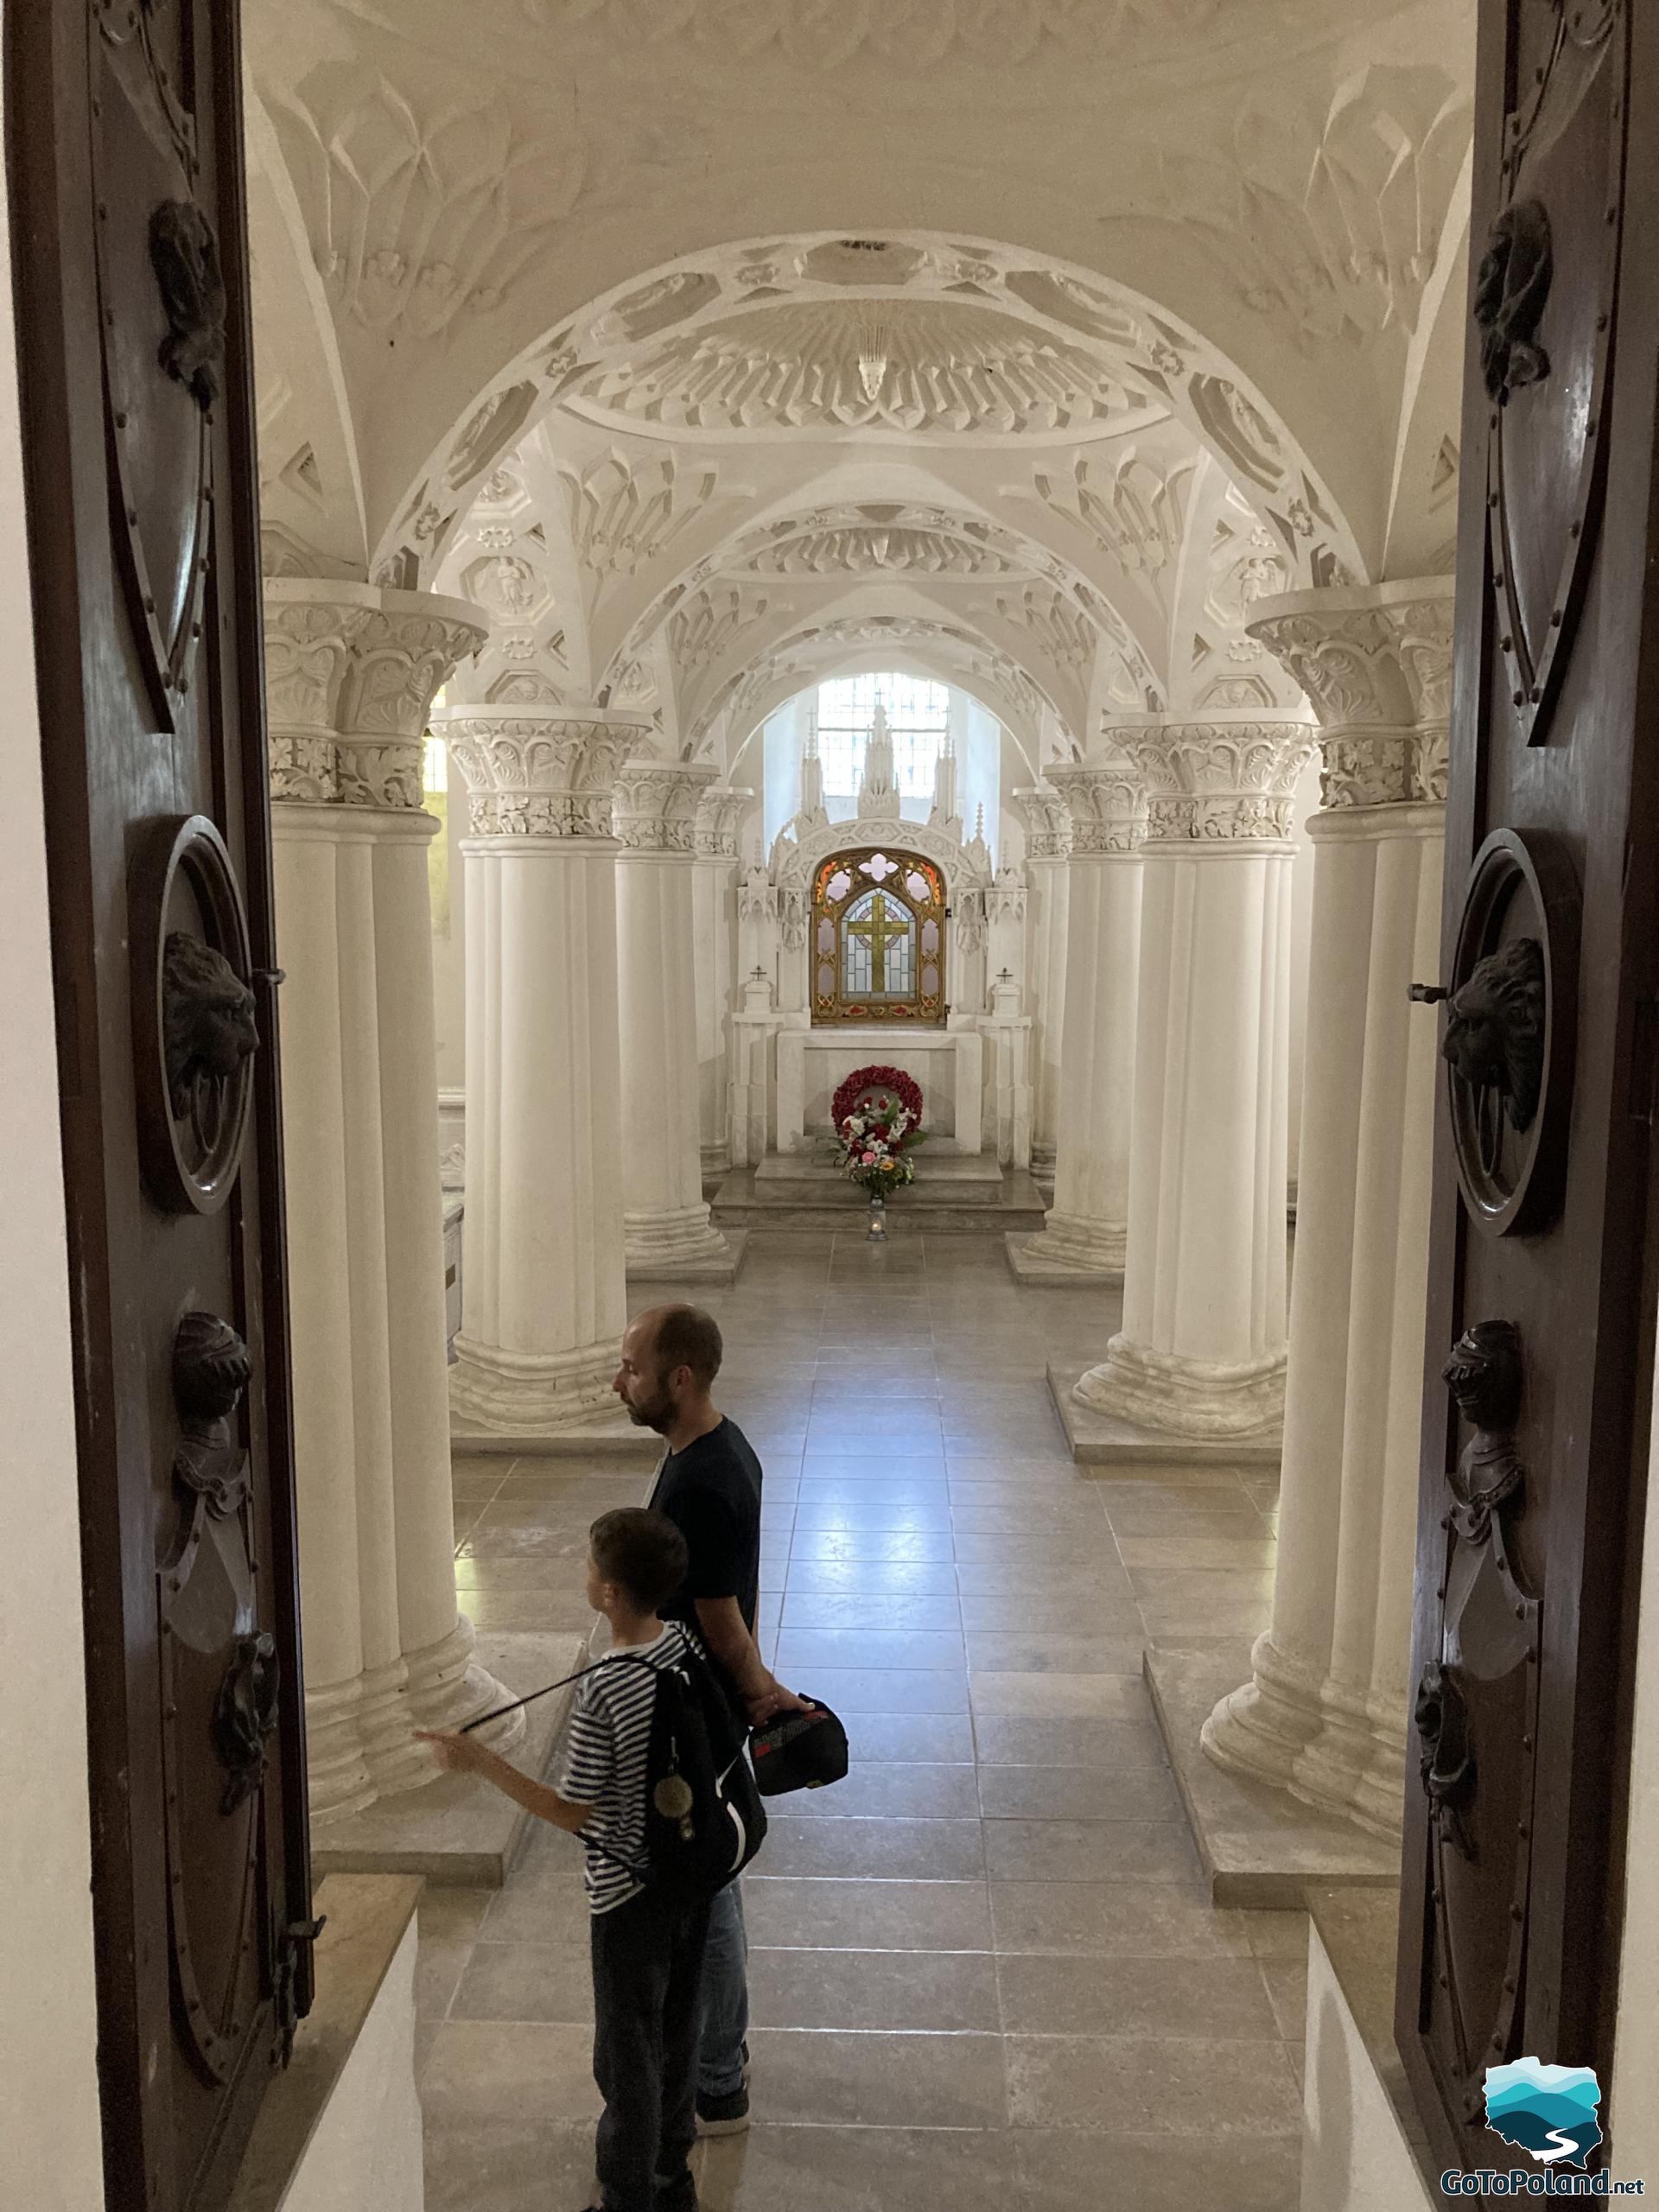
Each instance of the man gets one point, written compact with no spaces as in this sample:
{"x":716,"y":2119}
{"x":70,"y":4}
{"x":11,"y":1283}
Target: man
{"x":709,"y":1487}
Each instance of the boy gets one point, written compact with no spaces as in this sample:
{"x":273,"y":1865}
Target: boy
{"x":647,"y":1952}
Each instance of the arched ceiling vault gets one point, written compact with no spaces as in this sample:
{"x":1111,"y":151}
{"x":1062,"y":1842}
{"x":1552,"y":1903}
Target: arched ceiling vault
{"x":1231,"y":212}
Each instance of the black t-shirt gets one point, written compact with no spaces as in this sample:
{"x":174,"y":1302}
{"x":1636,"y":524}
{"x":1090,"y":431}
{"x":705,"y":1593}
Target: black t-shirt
{"x":711,"y":1492}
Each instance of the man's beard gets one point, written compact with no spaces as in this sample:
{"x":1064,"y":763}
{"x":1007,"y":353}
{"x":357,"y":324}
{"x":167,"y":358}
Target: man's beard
{"x":656,"y":1413}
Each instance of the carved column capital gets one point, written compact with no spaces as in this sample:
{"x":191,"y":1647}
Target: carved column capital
{"x":1376,"y":666}
{"x":719,"y":812}
{"x":1218,"y":782}
{"x":1047,"y":820}
{"x":350,"y":671}
{"x":658,"y":803}
{"x":1105,"y":803}
{"x":532,"y":774}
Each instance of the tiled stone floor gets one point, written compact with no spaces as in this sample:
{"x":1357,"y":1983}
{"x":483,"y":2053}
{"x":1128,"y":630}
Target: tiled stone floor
{"x":985,"y":1973}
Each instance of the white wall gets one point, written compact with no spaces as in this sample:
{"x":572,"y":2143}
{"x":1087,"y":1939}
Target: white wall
{"x":1632,"y":2109}
{"x":49,"y":2133}
{"x":366,"y":2150}
{"x":1354,"y":2156}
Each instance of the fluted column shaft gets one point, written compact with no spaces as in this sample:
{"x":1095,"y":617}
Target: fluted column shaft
{"x":543,"y":1303}
{"x":1202,"y":1350}
{"x":1047,"y":842}
{"x":715,"y":904}
{"x":350,"y":674}
{"x":665,"y":1217}
{"x":1087,"y":1227}
{"x":1325,"y":1713}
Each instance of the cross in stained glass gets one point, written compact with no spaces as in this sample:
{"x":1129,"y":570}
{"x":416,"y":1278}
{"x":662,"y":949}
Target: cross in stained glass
{"x":884,"y":926}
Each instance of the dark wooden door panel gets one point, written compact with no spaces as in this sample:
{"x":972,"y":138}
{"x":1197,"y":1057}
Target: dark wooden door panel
{"x":1540,"y":1339}
{"x":124,"y":137}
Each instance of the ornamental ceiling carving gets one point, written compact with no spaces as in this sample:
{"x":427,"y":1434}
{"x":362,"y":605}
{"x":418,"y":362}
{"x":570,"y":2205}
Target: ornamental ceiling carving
{"x":867,"y":549}
{"x":916,"y":368}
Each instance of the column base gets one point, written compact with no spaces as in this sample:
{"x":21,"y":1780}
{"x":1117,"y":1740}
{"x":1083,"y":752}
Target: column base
{"x":1197,"y":1400}
{"x":1101,"y":1441}
{"x":529,"y":1393}
{"x":360,"y":1741}
{"x":1304,"y":1734}
{"x":1069,"y":1250}
{"x":683,"y":1246}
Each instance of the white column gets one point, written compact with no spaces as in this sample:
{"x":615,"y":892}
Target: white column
{"x":665,"y":1217}
{"x":713,"y":885}
{"x":1048,"y":838}
{"x":350,"y":674}
{"x":542,"y":1306}
{"x":1085,"y":1231}
{"x":1324,"y":1714}
{"x":1201,"y":1353}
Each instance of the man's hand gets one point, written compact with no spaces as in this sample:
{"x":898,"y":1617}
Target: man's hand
{"x":772,"y":1702}
{"x":458,"y":1754}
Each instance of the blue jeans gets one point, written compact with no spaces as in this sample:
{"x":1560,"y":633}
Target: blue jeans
{"x":725,"y":1996}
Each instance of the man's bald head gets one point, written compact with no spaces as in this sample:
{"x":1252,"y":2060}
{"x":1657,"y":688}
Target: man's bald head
{"x":674,"y":1337}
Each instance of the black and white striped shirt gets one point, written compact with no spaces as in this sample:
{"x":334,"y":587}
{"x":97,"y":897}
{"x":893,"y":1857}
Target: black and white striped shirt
{"x":605,"y":1762}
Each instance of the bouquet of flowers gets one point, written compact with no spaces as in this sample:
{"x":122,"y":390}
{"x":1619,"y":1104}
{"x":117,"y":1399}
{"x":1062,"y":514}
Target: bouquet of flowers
{"x":876,"y":1134}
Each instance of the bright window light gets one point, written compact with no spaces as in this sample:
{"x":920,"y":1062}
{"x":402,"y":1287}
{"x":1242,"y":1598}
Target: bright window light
{"x":918,"y":714}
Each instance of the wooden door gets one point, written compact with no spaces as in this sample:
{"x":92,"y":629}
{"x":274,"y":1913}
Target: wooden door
{"x":124,"y":143}
{"x":1539,"y":1366}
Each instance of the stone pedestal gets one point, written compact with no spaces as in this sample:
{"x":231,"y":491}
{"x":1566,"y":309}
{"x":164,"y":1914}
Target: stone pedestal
{"x":1324,"y":1714}
{"x":1048,"y":840}
{"x":1201,"y":1352}
{"x":714,"y":888}
{"x":669,"y":1235}
{"x":543,"y":1308}
{"x":1084,"y":1237}
{"x":350,"y":674}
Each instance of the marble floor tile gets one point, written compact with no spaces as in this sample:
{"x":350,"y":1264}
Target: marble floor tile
{"x":524,"y":1981}
{"x":948,"y":1992}
{"x":884,"y":1789}
{"x":1112,"y":1612}
{"x":881,"y":1580}
{"x":513,"y":2164}
{"x":1063,"y":2170}
{"x":816,"y":1509}
{"x":1071,"y":1793}
{"x":1089,"y":1851}
{"x":879,"y":2079}
{"x":1101,"y":1996}
{"x":909,"y":1738}
{"x":861,"y":1915}
{"x":1081,"y":1745}
{"x":1039,"y":1651}
{"x":813,"y":1609}
{"x":509,"y":2070}
{"x":877,"y":1850}
{"x":1168,"y":2085}
{"x":849,"y":1691}
{"x":933,"y":1546}
{"x":903,"y":1647}
{"x":808,"y":2169}
{"x":1057,"y":1697}
{"x":1116,"y":1918}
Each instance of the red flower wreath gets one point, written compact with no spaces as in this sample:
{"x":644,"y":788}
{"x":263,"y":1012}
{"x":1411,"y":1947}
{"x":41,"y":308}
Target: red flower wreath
{"x":904,"y":1089}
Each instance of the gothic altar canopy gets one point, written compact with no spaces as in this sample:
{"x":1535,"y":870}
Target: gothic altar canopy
{"x":877,"y":938}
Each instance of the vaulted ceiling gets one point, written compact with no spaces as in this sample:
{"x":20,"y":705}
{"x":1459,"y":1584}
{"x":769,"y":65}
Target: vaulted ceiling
{"x":1188,"y":332}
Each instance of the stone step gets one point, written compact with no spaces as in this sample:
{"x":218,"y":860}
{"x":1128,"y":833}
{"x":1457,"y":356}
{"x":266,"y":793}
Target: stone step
{"x":938,"y":1204}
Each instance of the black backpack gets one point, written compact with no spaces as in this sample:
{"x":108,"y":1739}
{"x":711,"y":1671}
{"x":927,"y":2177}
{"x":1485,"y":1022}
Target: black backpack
{"x":704,"y":1821}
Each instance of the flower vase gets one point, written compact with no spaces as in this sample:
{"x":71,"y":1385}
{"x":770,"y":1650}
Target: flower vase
{"x":877,"y":1231}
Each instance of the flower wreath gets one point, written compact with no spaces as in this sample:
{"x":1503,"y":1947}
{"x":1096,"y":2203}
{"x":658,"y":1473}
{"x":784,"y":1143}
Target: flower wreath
{"x":904,"y":1089}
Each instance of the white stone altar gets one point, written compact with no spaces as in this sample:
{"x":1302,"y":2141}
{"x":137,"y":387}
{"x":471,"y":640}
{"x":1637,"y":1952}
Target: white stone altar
{"x":948,"y":1062}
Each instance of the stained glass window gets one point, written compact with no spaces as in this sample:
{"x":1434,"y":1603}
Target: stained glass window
{"x":919,"y":715}
{"x":877,"y":938}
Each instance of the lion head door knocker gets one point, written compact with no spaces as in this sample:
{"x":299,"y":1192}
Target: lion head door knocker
{"x":245,"y":1717}
{"x":1484,"y":1376}
{"x":1494,"y":1043}
{"x":1447,"y":1758}
{"x":184,"y":254}
{"x":1511,"y":288}
{"x":211,"y":1371}
{"x":209,"y":1033}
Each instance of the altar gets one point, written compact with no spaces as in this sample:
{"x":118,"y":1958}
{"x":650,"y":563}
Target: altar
{"x":948,"y":1062}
